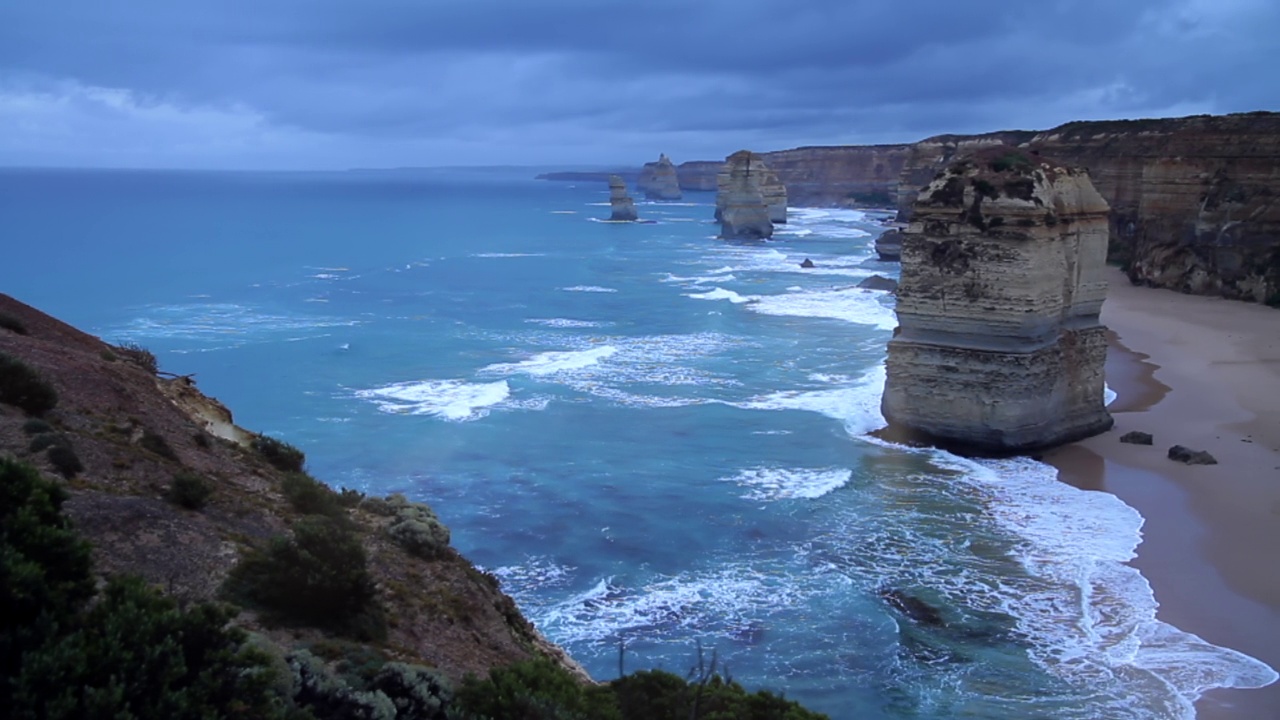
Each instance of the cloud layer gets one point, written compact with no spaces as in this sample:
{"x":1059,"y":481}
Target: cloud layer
{"x":385,"y":83}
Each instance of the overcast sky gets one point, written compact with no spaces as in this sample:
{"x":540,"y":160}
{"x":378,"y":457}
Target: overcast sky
{"x":297,"y":84}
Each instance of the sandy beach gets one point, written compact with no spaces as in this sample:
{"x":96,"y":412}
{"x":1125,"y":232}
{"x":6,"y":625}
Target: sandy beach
{"x":1204,"y":373}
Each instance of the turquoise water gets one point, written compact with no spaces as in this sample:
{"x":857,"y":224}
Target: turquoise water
{"x":654,"y":437}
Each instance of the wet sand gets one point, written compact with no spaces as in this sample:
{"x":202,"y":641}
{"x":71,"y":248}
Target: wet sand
{"x":1204,"y":373}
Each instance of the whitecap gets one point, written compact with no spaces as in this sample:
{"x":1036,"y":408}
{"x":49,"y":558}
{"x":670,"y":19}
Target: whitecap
{"x":548,"y":363}
{"x":565,"y":323}
{"x":453,"y":400}
{"x":854,"y":305}
{"x":773,"y":483}
{"x":506,"y":255}
{"x":857,"y":405}
{"x":721,"y":294}
{"x":589,"y":288}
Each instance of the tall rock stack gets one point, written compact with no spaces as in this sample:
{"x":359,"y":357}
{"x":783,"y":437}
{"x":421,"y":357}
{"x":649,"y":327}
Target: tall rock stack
{"x":621,"y":204}
{"x":741,"y":207}
{"x":658,"y":180}
{"x":999,"y":348}
{"x":772,"y":191}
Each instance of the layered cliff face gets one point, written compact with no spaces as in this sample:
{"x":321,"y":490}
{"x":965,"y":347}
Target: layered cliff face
{"x":742,"y":208}
{"x":746,"y":166}
{"x":848,"y":176}
{"x":699,"y":175}
{"x":659,"y":181}
{"x":1195,"y":202}
{"x":621,"y":205}
{"x":999,"y":348}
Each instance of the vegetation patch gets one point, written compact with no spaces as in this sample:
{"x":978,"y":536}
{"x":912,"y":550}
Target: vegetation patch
{"x":309,"y":496}
{"x":36,"y":426}
{"x":189,"y":490}
{"x":985,"y":188}
{"x":138,"y":355}
{"x":9,"y":322}
{"x":280,"y":454}
{"x":157,"y":444}
{"x":61,"y":454}
{"x":1012,"y":161}
{"x":22,"y":386}
{"x":318,"y":577}
{"x":416,"y":528}
{"x":129,"y":653}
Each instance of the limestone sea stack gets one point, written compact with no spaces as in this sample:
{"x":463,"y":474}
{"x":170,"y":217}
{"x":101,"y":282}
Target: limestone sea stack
{"x":998,"y":347}
{"x":741,"y":208}
{"x":659,"y":181}
{"x":621,"y":204}
{"x":765,"y":180}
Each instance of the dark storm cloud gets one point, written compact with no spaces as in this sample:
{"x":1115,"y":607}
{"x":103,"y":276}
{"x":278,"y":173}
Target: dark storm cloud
{"x":334,"y":82}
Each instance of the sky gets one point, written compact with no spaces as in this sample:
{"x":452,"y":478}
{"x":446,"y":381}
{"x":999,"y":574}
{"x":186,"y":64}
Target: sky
{"x":335,"y":84}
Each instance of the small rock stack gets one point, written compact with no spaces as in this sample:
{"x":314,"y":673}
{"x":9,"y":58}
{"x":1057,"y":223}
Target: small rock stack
{"x":624,"y":210}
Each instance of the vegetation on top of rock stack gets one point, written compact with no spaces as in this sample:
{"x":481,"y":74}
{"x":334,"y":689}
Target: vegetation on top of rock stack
{"x":22,"y":386}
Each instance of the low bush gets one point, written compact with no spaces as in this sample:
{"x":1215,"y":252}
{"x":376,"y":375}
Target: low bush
{"x":157,"y":444}
{"x":279,"y":453}
{"x":416,"y":528}
{"x":309,"y":496}
{"x":318,"y":577}
{"x":132,"y":653}
{"x":536,"y":690}
{"x":22,"y":386}
{"x":9,"y":322}
{"x":64,"y":459}
{"x":36,"y":426}
{"x":189,"y":490}
{"x":140,"y":356}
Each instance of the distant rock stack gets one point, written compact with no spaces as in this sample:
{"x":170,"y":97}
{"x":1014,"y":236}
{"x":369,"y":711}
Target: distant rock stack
{"x":773,"y":192}
{"x":740,"y":204}
{"x":999,"y":348}
{"x":658,"y":180}
{"x":889,"y":245}
{"x":623,"y":208}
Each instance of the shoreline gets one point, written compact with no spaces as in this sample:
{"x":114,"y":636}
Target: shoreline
{"x":1205,"y":373}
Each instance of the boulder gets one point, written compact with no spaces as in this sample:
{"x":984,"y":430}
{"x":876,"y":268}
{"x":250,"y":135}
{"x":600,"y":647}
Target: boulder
{"x":623,"y":209}
{"x":913,"y":607}
{"x":889,"y":245}
{"x":879,"y":282}
{"x":1136,"y":437}
{"x":999,"y":348}
{"x":659,"y":181}
{"x":807,"y":263}
{"x":1191,"y":457}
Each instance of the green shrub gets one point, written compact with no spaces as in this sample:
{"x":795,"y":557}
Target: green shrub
{"x":23,"y":387}
{"x":279,"y":453}
{"x":189,"y":491}
{"x":417,"y":692}
{"x":9,"y":322}
{"x":107,"y":355}
{"x":536,"y":690}
{"x":416,"y":528}
{"x":44,"y":441}
{"x":1012,"y":160}
{"x":317,"y":577}
{"x":140,"y":356}
{"x":133,"y":654}
{"x":64,"y":459}
{"x":36,"y":426}
{"x":157,"y":444}
{"x":309,"y":496}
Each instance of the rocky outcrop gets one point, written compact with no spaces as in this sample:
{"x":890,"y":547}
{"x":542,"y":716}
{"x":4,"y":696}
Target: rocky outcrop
{"x":840,"y":176}
{"x":999,"y":348}
{"x":741,"y":205}
{"x":659,"y":181}
{"x":879,"y":282}
{"x":889,"y":245}
{"x":1195,"y":201}
{"x":623,"y":208}
{"x":753,"y":169}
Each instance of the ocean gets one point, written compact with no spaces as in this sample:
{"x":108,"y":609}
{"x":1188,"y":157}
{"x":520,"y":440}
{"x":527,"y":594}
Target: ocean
{"x":655,"y":438}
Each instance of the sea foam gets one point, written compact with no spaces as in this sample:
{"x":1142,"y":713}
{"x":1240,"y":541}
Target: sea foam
{"x":447,"y":399}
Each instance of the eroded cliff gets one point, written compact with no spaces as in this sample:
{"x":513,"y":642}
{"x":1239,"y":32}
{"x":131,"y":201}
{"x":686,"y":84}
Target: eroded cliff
{"x":840,"y":176}
{"x":742,"y":206}
{"x":1195,"y":201}
{"x":999,"y":348}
